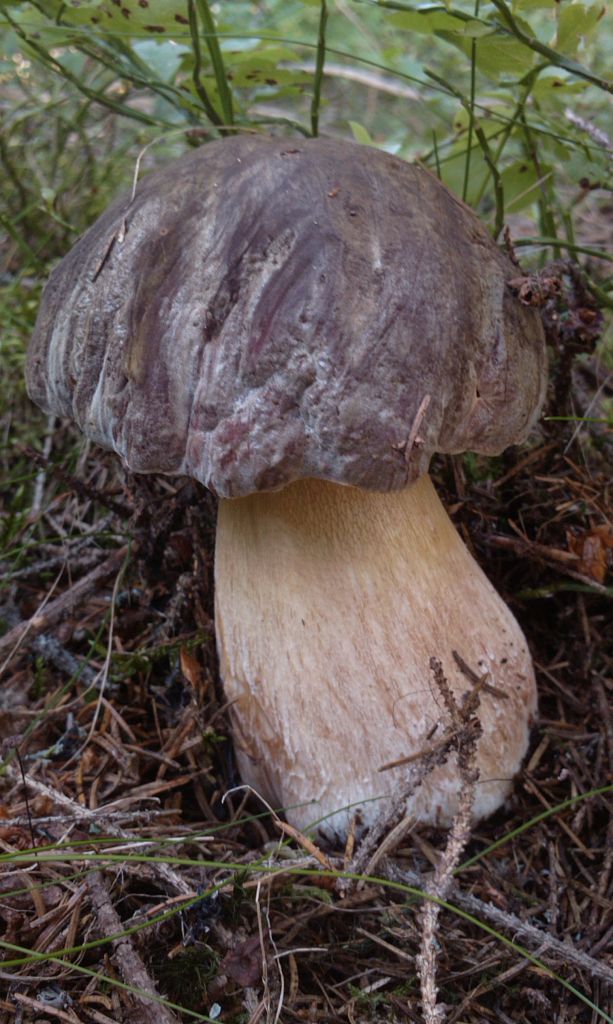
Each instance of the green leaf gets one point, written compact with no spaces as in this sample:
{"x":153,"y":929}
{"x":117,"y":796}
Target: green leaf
{"x":155,"y":18}
{"x":556,"y":87}
{"x":593,"y":166}
{"x":527,"y":6}
{"x":266,"y":75}
{"x":452,"y":172}
{"x":261,"y":54}
{"x":520,"y":183}
{"x":254,"y":68}
{"x":499,"y":56}
{"x":360,"y":133}
{"x":575,"y":23}
{"x":429,"y":20}
{"x":472,"y":29}
{"x":461,"y":122}
{"x":37,"y":23}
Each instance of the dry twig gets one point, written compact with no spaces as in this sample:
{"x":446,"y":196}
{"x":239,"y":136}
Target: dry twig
{"x":465,"y":733}
{"x":63,"y":604}
{"x":126,"y":958}
{"x":548,"y":945}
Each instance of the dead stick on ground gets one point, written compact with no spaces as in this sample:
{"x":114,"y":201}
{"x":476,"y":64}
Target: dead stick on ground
{"x":39,"y":1007}
{"x":142,"y":817}
{"x":78,"y":813}
{"x":125,"y":956}
{"x":540,"y":553}
{"x":54,"y":611}
{"x":522,"y":931}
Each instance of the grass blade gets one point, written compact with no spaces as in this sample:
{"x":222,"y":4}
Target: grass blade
{"x":212,"y":42}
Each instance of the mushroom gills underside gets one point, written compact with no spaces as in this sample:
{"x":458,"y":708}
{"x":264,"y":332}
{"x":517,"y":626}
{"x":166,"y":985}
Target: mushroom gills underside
{"x":330,"y":603}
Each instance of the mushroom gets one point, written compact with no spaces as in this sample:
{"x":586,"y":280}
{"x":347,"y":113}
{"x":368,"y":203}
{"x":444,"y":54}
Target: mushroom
{"x":300,"y":325}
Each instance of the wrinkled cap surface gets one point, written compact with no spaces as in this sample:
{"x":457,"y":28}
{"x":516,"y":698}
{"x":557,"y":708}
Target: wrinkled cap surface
{"x":268,"y":309}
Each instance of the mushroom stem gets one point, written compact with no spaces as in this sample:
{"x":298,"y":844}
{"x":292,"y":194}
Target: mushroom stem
{"x":330,"y":602}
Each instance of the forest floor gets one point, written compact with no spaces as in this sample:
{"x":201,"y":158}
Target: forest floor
{"x":131,"y":865}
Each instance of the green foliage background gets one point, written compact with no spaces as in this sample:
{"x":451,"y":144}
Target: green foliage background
{"x":508,"y":102}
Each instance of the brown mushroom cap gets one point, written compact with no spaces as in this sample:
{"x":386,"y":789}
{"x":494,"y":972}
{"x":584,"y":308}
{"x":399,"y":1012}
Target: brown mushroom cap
{"x":264,"y":310}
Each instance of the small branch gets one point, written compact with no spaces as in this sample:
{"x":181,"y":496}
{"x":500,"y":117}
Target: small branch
{"x":599,"y":137}
{"x":86,"y":560}
{"x":52,"y":652}
{"x":369,"y":79}
{"x":466,"y":735}
{"x":394,"y":814}
{"x":37,"y":1006}
{"x":557,"y":59}
{"x":530,"y":934}
{"x":41,"y":476}
{"x":413,"y":438}
{"x":54,"y":611}
{"x":125,"y":957}
{"x":81,"y":489}
{"x":103,"y":820}
{"x":559,"y":560}
{"x":142,"y":817}
{"x":478,"y":681}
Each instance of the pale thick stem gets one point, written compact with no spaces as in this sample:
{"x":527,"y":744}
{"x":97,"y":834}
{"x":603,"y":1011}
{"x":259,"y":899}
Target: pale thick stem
{"x":330,"y":603}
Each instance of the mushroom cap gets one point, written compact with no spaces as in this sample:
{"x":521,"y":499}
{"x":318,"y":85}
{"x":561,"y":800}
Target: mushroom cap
{"x":263,"y":310}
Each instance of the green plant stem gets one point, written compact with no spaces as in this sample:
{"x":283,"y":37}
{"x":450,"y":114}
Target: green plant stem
{"x":471,"y":111}
{"x":201,"y":92}
{"x":528,"y":83}
{"x":485,"y":149}
{"x":558,"y":243}
{"x":546,"y":217}
{"x":552,"y":56}
{"x":604,"y":299}
{"x":20,"y":241}
{"x":540,"y":593}
{"x":212,"y":41}
{"x":507,"y":27}
{"x":367,"y":62}
{"x":49,"y":61}
{"x":437,"y":161}
{"x":139,"y":77}
{"x":319,"y":67}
